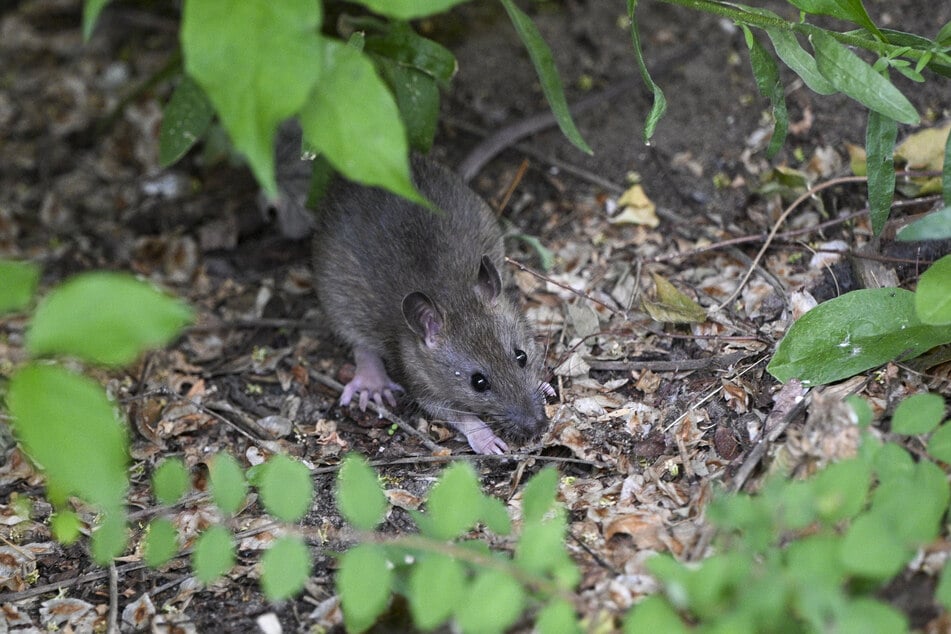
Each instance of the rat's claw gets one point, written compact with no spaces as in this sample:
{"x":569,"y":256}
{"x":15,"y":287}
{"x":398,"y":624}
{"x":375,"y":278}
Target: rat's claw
{"x":482,"y":439}
{"x":547,"y":389}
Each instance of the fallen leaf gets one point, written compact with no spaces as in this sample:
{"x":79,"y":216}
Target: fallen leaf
{"x":672,"y":306}
{"x":636,"y":209}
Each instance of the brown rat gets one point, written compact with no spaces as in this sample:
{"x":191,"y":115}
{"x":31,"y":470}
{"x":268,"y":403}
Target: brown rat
{"x":421,"y":292}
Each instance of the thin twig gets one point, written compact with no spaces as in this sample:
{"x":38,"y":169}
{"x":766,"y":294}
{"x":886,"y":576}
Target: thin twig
{"x":580,"y":294}
{"x":113,"y":626}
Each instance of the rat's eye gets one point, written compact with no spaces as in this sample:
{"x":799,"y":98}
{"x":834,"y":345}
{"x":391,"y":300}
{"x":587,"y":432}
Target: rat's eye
{"x":479,"y":382}
{"x":521,"y":358}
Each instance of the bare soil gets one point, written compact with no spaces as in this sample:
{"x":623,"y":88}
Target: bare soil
{"x":649,"y":416}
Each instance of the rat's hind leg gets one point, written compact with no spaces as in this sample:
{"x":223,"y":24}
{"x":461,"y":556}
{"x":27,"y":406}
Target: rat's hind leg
{"x":370,"y":381}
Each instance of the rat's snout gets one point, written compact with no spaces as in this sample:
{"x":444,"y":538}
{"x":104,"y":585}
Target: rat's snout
{"x":528,"y":422}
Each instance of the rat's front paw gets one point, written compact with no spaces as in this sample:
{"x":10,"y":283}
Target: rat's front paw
{"x":370,"y":387}
{"x":480,"y":437}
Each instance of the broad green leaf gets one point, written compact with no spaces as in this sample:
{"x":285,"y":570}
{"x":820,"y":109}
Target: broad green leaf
{"x":110,"y":538}
{"x":285,"y":568}
{"x":494,"y":602}
{"x":717,"y":578}
{"x":853,"y":333}
{"x":659,"y":104}
{"x":409,"y":9}
{"x":364,"y":582}
{"x":766,"y":74}
{"x":865,"y":615}
{"x":934,"y":226}
{"x":538,"y":496}
{"x":871,"y":549}
{"x":66,"y":526}
{"x":455,"y":502}
{"x":654,"y":614}
{"x":939,"y":445}
{"x":801,"y":62}
{"x":228,"y":487}
{"x":544,"y":64}
{"x":915,"y":504}
{"x":851,"y":75}
{"x":417,"y":98}
{"x":161,"y":542}
{"x":933,"y":295}
{"x":286,"y":488}
{"x":213,"y":555}
{"x":880,"y":138}
{"x":495,"y":516}
{"x":18,"y":282}
{"x":91,"y":11}
{"x":359,"y":495}
{"x":539,"y":544}
{"x":69,"y":427}
{"x":558,"y":617}
{"x":863,"y":411}
{"x":943,"y":39}
{"x":352,"y":119}
{"x":918,"y":414}
{"x":107,"y":318}
{"x":437,"y":585}
{"x":851,"y":10}
{"x":946,"y":171}
{"x":841,"y":489}
{"x":404,"y":46}
{"x":893,"y":463}
{"x":170,"y":481}
{"x":257,"y":61}
{"x":185,"y":120}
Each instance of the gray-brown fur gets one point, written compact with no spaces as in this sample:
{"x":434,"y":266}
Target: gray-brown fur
{"x":372,"y":249}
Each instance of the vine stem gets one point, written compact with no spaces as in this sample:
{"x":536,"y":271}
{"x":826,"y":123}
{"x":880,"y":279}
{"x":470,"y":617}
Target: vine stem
{"x":766,"y":21}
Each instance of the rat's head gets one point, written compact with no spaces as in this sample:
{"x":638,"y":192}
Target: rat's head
{"x":476,"y":357}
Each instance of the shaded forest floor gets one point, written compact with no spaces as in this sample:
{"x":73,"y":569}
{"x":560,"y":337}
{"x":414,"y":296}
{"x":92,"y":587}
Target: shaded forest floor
{"x":650,"y":418}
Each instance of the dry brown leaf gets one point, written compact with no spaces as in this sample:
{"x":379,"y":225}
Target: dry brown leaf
{"x":672,"y":306}
{"x":636,"y":209}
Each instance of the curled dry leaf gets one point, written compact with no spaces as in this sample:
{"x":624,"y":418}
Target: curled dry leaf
{"x":58,"y":614}
{"x":403,"y":499}
{"x":138,"y":614}
{"x":636,"y":209}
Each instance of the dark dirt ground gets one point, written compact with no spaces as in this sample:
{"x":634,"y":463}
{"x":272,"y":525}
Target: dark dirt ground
{"x":648,"y":437}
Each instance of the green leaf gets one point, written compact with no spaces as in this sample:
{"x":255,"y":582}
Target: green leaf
{"x":257,"y":62}
{"x":863,"y":411}
{"x":170,"y":481}
{"x":871,"y":548}
{"x":659,"y":104}
{"x":538,"y":496}
{"x":185,"y":120}
{"x":228,"y":487}
{"x":364,"y":582}
{"x":653,"y":614}
{"x":939,"y":445}
{"x":853,"y":333}
{"x":841,"y":489}
{"x":943,"y":591}
{"x":409,"y":9}
{"x":18,"y":282}
{"x":918,"y":414}
{"x":285,"y":568}
{"x":352,"y":119}
{"x":933,"y":295}
{"x":161,"y":542}
{"x":539,"y":546}
{"x":359,"y":495}
{"x":403,"y":46}
{"x":498,"y":590}
{"x":851,"y":10}
{"x":68,"y":426}
{"x":544,"y":64}
{"x":943,"y":39}
{"x":934,"y":226}
{"x":213,"y":555}
{"x":893,"y":463}
{"x":417,"y":98}
{"x":286,"y":488}
{"x":915,"y":504}
{"x":558,"y":617}
{"x":91,"y":11}
{"x":66,"y":526}
{"x":107,"y":318}
{"x":672,"y":306}
{"x":110,"y":537}
{"x":495,"y":516}
{"x":455,"y":502}
{"x":867,"y":616}
{"x":851,"y":75}
{"x":880,"y":138}
{"x":766,"y":74}
{"x":437,"y":585}
{"x":801,"y":62}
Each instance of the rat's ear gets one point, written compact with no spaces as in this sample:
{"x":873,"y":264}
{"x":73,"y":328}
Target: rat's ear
{"x":489,"y":282}
{"x":422,"y":316}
